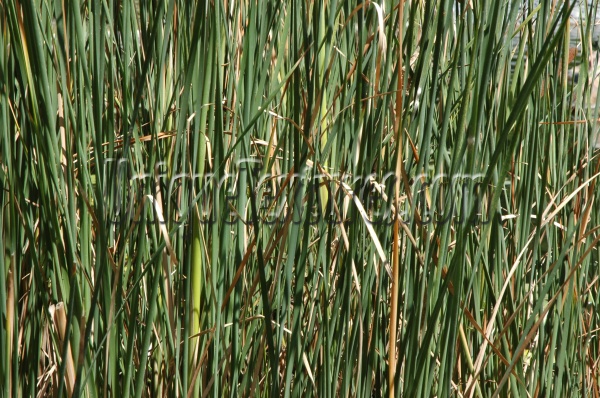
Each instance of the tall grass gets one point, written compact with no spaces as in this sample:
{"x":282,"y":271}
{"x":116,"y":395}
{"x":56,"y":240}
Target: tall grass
{"x":249,"y":198}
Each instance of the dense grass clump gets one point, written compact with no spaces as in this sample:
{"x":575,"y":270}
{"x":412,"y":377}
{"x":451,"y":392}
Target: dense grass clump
{"x":299,"y":198}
